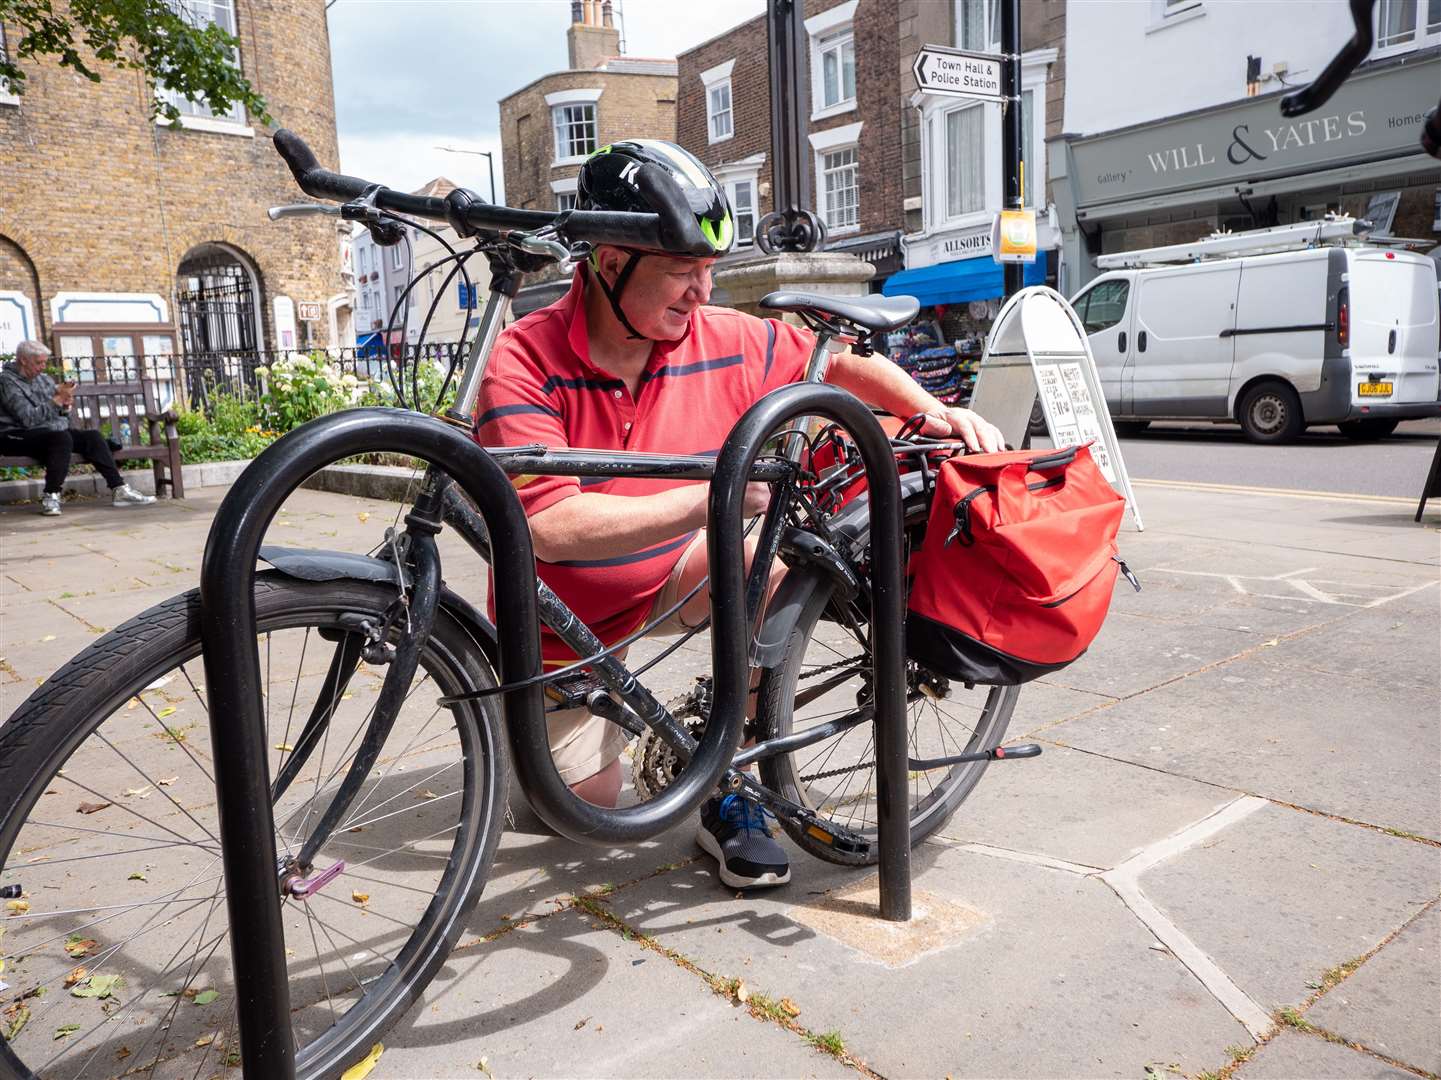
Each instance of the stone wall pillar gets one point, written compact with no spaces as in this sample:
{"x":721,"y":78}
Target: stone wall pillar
{"x":741,"y":284}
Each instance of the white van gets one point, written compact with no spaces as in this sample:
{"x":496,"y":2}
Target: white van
{"x":1346,"y":335}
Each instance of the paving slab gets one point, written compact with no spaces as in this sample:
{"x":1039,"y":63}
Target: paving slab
{"x":1378,"y":645}
{"x":1392,"y":1003}
{"x":1292,"y":1055}
{"x":1134,"y":654}
{"x":1064,"y":805}
{"x":1361,"y":750}
{"x":565,"y":996}
{"x":1058,"y":979}
{"x":1330,"y":892}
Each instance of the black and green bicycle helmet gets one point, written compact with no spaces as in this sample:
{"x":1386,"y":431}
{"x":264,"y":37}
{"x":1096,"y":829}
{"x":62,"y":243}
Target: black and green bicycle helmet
{"x":653,"y":176}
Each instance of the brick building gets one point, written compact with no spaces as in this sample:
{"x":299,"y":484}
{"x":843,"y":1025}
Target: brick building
{"x":854,"y":113}
{"x":908,"y":181}
{"x":548,"y":127}
{"x":120,"y":235}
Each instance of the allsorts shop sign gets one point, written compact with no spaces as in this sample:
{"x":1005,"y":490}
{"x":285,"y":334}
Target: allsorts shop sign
{"x":1373,"y":116}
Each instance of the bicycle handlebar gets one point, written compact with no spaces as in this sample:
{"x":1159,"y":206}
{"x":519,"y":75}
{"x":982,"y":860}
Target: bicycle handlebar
{"x":676,"y":232}
{"x":1302,"y":101}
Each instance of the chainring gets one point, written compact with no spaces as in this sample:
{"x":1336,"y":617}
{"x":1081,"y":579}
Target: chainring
{"x":655,"y":764}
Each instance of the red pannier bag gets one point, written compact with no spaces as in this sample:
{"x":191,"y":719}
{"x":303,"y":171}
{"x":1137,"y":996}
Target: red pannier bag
{"x":1018,"y":565}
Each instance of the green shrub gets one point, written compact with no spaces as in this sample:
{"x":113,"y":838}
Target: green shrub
{"x":223,"y":446}
{"x":302,"y":387}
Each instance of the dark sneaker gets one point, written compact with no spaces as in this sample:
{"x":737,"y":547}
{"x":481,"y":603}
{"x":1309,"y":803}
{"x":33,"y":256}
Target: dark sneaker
{"x":733,"y":831}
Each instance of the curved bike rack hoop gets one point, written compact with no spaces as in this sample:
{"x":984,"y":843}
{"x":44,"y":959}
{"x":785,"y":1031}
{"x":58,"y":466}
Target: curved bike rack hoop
{"x":232,"y":675}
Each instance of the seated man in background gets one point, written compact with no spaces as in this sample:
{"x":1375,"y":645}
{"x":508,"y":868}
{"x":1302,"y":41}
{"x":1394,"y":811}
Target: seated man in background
{"x":35,"y":422}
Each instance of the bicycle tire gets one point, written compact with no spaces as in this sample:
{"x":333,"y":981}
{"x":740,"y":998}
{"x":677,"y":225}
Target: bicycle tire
{"x":425,"y":885}
{"x":797,"y":775}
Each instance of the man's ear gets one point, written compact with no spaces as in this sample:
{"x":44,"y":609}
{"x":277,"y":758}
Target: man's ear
{"x":607,"y":261}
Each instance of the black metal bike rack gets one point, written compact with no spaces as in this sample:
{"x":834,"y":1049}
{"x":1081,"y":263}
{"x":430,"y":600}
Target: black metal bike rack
{"x":232,"y":662}
{"x":232,"y":675}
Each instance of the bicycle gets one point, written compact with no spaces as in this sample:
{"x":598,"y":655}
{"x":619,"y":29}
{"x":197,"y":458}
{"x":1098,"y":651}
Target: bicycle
{"x":352,"y":651}
{"x":409,"y":810}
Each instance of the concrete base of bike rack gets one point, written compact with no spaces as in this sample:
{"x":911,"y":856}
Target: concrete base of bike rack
{"x":848,"y":916}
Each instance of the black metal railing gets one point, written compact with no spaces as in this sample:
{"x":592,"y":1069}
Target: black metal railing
{"x":193,"y":380}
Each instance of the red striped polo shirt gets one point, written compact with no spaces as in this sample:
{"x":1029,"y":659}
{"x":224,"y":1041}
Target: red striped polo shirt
{"x":541,"y":387}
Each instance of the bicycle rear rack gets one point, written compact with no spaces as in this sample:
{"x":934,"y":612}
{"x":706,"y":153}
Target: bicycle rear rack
{"x":232,"y":664}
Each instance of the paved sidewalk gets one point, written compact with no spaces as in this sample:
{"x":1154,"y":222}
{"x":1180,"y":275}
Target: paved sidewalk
{"x":1230,"y":850}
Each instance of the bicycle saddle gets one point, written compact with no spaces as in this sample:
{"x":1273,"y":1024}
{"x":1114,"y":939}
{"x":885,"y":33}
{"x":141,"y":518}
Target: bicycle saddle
{"x":869,"y":312}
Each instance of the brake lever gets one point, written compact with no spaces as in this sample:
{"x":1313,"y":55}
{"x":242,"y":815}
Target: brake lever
{"x":275,"y":213}
{"x":383,"y":231}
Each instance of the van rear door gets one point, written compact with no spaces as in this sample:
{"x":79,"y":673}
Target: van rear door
{"x":1182,"y":355}
{"x":1394,"y":327}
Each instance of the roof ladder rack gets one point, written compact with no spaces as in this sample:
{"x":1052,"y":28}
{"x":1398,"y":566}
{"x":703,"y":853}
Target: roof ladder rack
{"x":1330,"y":230}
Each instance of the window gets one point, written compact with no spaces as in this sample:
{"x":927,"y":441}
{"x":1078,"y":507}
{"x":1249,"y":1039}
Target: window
{"x":841,"y":189}
{"x":720,"y":115}
{"x":6,"y":97}
{"x":742,"y":195}
{"x":565,"y":200}
{"x":978,"y":25}
{"x":395,"y":291}
{"x":838,"y":70}
{"x":832,"y":60}
{"x":203,"y":13}
{"x":574,"y":130}
{"x":718,"y":108}
{"x":1103,"y":306}
{"x":397,"y":259}
{"x":965,"y":161}
{"x":1407,"y":23}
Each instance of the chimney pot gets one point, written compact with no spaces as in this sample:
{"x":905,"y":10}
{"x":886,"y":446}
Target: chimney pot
{"x":575,"y":11}
{"x":605,"y":14}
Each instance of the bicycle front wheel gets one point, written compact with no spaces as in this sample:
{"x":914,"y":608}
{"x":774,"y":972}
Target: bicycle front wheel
{"x":117,"y":946}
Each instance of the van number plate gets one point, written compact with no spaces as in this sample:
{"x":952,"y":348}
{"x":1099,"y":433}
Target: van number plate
{"x":1374,"y":389}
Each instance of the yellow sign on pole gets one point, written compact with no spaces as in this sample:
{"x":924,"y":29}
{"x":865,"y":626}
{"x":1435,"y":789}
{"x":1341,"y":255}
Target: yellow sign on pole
{"x":1013,"y":236}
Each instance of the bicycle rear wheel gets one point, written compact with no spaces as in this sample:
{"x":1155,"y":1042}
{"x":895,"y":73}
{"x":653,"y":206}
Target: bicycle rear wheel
{"x":117,"y":950}
{"x":825,"y":675}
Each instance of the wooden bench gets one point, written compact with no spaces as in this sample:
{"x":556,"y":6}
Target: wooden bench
{"x":122,"y":405}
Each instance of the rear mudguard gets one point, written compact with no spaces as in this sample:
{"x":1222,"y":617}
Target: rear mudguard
{"x":309,"y":564}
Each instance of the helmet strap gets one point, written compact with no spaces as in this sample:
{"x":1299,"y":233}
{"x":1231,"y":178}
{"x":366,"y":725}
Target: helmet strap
{"x":613,"y":293}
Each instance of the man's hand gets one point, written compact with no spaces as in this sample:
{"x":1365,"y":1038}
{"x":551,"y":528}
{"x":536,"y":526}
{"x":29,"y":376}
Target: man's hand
{"x":64,"y":395}
{"x":975,"y":431}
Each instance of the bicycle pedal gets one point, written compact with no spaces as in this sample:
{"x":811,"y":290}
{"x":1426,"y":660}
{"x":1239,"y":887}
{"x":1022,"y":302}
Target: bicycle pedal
{"x":842,"y":840}
{"x":573,"y":691}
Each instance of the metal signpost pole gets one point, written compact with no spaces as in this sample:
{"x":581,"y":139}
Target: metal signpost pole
{"x":1012,"y":162}
{"x":790,"y":226}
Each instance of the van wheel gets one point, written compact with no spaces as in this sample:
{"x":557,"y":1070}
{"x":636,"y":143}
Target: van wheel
{"x":1126,"y":428}
{"x":1271,"y":413}
{"x":1363,"y":430}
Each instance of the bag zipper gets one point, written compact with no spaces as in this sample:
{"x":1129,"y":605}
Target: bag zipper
{"x":963,"y":510}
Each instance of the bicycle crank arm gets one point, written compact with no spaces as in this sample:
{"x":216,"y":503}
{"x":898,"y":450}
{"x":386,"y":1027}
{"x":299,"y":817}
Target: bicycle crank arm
{"x":1000,"y":753}
{"x":827,"y":832}
{"x":801,"y":739}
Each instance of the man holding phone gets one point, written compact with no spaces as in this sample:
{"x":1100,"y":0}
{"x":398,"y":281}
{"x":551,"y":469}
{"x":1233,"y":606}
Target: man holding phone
{"x":35,"y":421}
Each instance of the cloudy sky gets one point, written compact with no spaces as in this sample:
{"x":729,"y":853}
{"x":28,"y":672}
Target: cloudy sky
{"x":415,"y":75}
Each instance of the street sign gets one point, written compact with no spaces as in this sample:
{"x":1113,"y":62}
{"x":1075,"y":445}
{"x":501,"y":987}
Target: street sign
{"x":309,"y":310}
{"x":975,"y":75}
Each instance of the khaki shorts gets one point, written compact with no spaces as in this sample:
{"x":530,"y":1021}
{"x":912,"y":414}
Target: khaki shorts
{"x":582,"y":743}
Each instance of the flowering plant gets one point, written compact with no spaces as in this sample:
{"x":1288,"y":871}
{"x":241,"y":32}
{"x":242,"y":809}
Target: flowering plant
{"x":303,"y":386}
